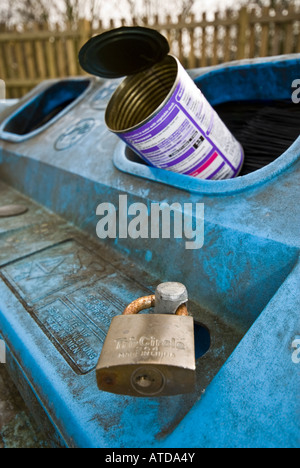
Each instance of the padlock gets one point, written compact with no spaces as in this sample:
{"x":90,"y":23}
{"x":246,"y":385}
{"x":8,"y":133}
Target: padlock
{"x":149,"y":355}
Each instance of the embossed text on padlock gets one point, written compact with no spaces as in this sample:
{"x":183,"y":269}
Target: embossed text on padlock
{"x":148,"y":355}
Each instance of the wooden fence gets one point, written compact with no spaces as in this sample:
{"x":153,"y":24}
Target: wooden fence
{"x":31,"y":56}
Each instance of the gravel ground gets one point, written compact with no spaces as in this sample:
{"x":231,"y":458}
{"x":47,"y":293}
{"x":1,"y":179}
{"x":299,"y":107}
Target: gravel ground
{"x":17,"y":427}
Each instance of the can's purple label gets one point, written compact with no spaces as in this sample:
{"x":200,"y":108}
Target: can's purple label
{"x":187,"y":136}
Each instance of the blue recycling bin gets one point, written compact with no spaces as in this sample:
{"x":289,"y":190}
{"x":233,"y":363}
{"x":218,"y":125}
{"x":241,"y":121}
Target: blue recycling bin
{"x":61,"y":284}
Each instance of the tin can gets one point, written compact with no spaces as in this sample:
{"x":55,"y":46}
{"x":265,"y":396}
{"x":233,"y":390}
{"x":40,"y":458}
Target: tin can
{"x":159,"y":111}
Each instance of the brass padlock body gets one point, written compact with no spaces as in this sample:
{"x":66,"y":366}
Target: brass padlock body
{"x":148,"y":355}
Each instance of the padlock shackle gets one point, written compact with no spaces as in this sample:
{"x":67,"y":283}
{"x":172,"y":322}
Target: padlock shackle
{"x":149,"y":301}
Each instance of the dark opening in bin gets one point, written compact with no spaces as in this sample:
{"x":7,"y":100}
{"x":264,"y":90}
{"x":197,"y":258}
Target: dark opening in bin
{"x":202,"y":340}
{"x":45,"y":106}
{"x":265,"y":129}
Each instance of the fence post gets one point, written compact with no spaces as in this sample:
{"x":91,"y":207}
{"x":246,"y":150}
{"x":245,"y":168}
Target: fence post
{"x":84,"y":29}
{"x":39,"y":53}
{"x":289,"y":37}
{"x":227,"y":39}
{"x":60,"y":53}
{"x":252,"y":39}
{"x":243,"y":22}
{"x":179,"y":38}
{"x":215,"y":40}
{"x":203,"y":47}
{"x":265,"y":32}
{"x":84,"y":33}
{"x":192,"y":57}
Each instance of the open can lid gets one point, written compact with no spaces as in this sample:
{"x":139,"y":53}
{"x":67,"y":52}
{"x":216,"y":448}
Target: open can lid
{"x":123,"y":51}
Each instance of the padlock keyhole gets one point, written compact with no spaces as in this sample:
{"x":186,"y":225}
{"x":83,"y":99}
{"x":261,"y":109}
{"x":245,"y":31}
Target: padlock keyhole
{"x":148,"y":381}
{"x":144,"y":381}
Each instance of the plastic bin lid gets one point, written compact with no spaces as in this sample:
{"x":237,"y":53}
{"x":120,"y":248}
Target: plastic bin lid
{"x":123,"y":51}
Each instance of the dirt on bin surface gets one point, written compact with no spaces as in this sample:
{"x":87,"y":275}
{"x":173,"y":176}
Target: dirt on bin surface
{"x":17,"y":427}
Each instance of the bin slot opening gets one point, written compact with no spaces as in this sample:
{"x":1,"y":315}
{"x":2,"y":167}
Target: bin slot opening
{"x":45,"y":106}
{"x":202,"y":340}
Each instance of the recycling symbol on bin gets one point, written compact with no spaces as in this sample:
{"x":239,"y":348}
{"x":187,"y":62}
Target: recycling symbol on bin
{"x":74,"y":134}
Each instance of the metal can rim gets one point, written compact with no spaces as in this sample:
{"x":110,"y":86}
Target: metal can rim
{"x":153,"y":114}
